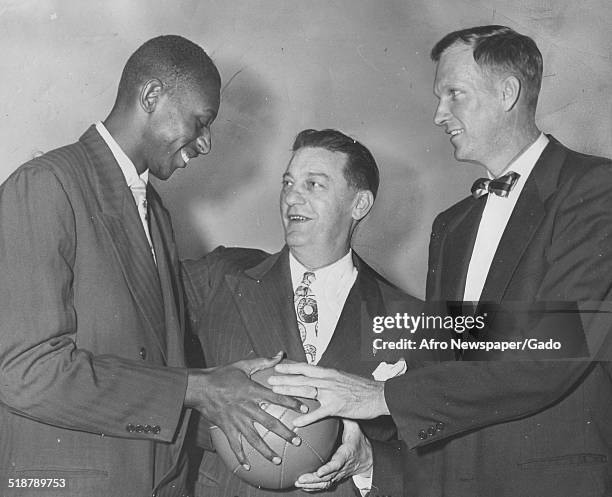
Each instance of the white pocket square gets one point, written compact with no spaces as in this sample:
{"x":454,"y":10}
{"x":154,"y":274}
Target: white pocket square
{"x":384,"y":371}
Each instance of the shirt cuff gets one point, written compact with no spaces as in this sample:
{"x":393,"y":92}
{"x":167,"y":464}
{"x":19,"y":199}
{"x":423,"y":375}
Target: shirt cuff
{"x":363,"y":482}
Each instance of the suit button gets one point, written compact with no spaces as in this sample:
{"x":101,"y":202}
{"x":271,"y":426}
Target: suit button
{"x":148,"y":428}
{"x":139,"y":428}
{"x":431,"y":431}
{"x":439,"y":426}
{"x":422,"y":434}
{"x":130,"y":428}
{"x":143,"y":353}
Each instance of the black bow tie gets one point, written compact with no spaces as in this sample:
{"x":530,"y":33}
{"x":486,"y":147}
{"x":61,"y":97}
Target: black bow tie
{"x":501,"y":186}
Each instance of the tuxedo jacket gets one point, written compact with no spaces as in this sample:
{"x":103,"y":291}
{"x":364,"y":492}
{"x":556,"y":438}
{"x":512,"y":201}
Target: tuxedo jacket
{"x":520,"y":428}
{"x":241,"y":305}
{"x":91,"y":347}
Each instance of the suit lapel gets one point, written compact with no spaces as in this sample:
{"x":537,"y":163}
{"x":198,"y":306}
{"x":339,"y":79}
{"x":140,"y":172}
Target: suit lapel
{"x":120,"y":217}
{"x":457,"y":249}
{"x":523,"y":223}
{"x":345,"y":345}
{"x":528,"y":213}
{"x":344,"y":350}
{"x":264,"y":297}
{"x":168,"y":270}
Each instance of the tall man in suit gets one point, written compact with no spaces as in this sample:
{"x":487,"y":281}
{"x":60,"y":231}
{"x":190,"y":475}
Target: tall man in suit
{"x":536,"y":230}
{"x":94,"y":385}
{"x":306,"y":299}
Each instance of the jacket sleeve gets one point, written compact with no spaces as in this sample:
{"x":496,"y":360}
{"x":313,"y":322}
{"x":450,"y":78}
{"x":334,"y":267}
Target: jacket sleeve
{"x":388,"y":475}
{"x":44,"y":374}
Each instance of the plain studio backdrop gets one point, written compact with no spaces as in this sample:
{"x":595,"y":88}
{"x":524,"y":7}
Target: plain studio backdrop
{"x":360,"y":66}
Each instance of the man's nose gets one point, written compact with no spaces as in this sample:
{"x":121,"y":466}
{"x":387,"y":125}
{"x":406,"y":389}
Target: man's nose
{"x":441,"y":115}
{"x":204,"y":142}
{"x":293,"y":196}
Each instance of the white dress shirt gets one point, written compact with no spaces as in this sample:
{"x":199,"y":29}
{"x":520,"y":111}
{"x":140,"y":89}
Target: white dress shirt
{"x":136,"y":183}
{"x":331,"y":287}
{"x":494,"y":219}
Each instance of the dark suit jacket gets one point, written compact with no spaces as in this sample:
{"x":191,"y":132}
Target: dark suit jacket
{"x":520,"y":428}
{"x":241,"y":303}
{"x":88,"y":325}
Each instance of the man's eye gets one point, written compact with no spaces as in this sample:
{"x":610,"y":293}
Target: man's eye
{"x":286,"y":182}
{"x":455,"y":93}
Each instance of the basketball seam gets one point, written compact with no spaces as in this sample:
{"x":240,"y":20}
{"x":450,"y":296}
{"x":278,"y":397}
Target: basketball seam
{"x":282,"y":468}
{"x":313,"y":450}
{"x":285,"y":446}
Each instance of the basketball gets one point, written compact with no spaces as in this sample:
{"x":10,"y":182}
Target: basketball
{"x":318,"y":442}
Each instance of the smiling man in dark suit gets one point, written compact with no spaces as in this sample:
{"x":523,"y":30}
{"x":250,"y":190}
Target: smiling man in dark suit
{"x":306,"y":299}
{"x":538,"y":229}
{"x":93,"y":384}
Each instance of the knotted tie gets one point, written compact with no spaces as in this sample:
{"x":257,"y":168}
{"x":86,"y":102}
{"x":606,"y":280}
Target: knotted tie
{"x":307,"y":315}
{"x":139,"y":192}
{"x":501,"y":186}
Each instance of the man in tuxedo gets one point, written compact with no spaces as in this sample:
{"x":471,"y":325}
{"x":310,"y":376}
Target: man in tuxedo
{"x":536,"y":230}
{"x":307,"y":299}
{"x":94,"y":386}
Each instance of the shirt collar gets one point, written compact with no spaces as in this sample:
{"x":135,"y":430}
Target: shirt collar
{"x":332,"y":274}
{"x":525,"y":162}
{"x":127,"y":166}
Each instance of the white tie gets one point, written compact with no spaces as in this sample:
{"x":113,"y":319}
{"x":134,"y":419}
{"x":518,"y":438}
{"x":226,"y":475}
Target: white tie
{"x":139,"y":191}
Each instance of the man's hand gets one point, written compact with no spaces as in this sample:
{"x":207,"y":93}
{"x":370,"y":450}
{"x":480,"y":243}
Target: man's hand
{"x":229,"y":399}
{"x":340,"y":394}
{"x":353,"y":457}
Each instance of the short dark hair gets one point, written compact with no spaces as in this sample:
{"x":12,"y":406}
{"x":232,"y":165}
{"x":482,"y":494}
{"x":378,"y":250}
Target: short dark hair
{"x":361,"y":171}
{"x":174,"y":60}
{"x":500,"y":49}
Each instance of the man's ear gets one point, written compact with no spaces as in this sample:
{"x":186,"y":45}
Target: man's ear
{"x":149,"y":94}
{"x":511,"y":90}
{"x":363,"y":204}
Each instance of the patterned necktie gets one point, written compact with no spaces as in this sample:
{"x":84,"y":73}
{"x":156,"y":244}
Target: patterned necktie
{"x":501,"y":186}
{"x":307,"y":315}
